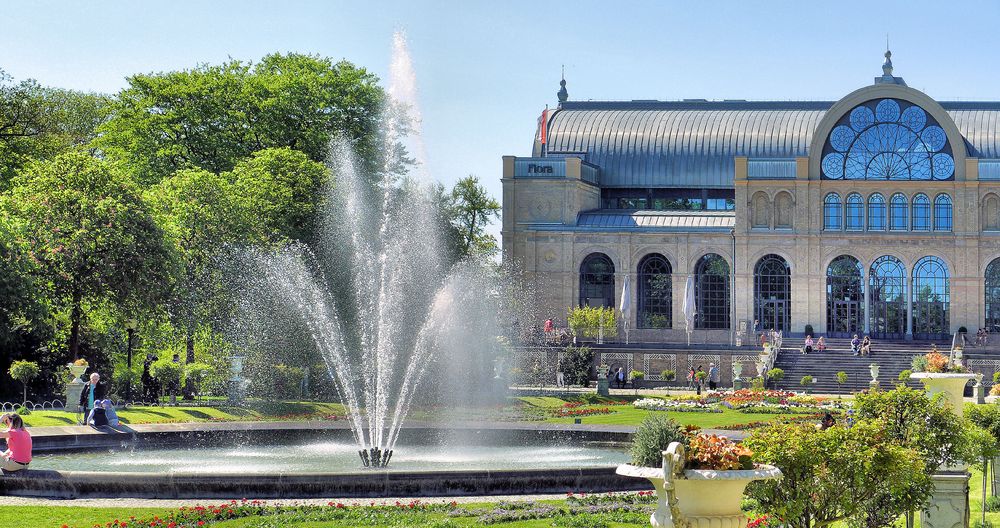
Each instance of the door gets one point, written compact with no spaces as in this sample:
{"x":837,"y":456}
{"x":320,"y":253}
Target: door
{"x":846,"y":319}
{"x":888,"y":320}
{"x":773,"y":315}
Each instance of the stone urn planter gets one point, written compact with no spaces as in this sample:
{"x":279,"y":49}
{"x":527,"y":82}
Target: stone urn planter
{"x":702,"y":498}
{"x":951,"y":384}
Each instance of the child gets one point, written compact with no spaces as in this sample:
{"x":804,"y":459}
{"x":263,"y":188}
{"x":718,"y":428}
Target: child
{"x":109,"y":410}
{"x":18,"y":453}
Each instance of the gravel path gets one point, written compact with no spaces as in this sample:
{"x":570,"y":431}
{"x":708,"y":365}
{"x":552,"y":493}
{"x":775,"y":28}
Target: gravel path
{"x":170,"y":503}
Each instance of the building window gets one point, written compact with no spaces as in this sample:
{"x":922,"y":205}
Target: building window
{"x":898,"y":213}
{"x":597,"y":281}
{"x":876,"y":212}
{"x":655,"y":292}
{"x":993,"y":296}
{"x":931,"y":299}
{"x":855,"y":217}
{"x":921,"y":213}
{"x":887,"y":139}
{"x":760,"y":213}
{"x":887,"y":313}
{"x":942,"y":212}
{"x":632,"y":203}
{"x":772,"y":293}
{"x":831,"y":212}
{"x":991,"y":213}
{"x":784,"y":209}
{"x":844,"y":297}
{"x":712,"y":293}
{"x":720,"y":204}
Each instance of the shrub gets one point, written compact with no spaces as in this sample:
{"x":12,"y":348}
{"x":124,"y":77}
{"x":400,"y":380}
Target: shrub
{"x":701,"y":375}
{"x":963,"y":330}
{"x":809,"y":330}
{"x":168,"y":373}
{"x":992,"y":503}
{"x":757,"y":384}
{"x":22,"y":410}
{"x":668,"y":375}
{"x":123,"y":379}
{"x":918,"y":364}
{"x":979,"y":523}
{"x":195,"y":374}
{"x":636,"y":375}
{"x":904,"y":376}
{"x":996,"y":377}
{"x":24,"y":371}
{"x":776,"y":374}
{"x":806,"y":381}
{"x":589,"y":321}
{"x":841,"y":377}
{"x":576,"y":363}
{"x":652,"y":437}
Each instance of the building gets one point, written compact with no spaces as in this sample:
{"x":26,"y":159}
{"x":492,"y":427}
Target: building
{"x":878,"y":213}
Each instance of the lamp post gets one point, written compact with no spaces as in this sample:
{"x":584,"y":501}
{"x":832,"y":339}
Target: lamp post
{"x":130,"y":326}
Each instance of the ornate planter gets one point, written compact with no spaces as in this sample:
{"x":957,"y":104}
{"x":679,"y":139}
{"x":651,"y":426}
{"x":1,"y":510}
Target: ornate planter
{"x":951,"y":384}
{"x":702,"y":498}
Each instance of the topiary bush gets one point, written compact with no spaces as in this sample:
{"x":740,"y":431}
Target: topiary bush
{"x":806,"y":381}
{"x":668,"y":375}
{"x":652,"y":438}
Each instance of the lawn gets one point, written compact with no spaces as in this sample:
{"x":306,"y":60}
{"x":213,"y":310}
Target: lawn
{"x":253,"y":411}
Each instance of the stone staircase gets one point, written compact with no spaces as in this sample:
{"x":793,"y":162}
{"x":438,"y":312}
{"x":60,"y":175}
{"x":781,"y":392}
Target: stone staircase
{"x":892,"y":357}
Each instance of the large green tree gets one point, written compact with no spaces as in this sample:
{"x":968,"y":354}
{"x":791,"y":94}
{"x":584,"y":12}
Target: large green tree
{"x":213,"y":116}
{"x":472,"y":209}
{"x":90,"y":234}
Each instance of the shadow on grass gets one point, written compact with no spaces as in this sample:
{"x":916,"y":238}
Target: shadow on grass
{"x":195,"y":414}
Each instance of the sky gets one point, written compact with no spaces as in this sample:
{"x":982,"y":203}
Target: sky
{"x":486,"y":69}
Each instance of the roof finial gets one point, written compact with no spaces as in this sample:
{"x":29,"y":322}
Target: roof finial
{"x":887,"y":65}
{"x":563,"y":95}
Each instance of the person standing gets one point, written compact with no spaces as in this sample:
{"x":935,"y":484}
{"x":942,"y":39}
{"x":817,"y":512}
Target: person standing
{"x":691,"y":379}
{"x":620,"y":378}
{"x":18,"y":453}
{"x":713,"y":376}
{"x":560,"y":378}
{"x":698,"y":381}
{"x":93,"y":391}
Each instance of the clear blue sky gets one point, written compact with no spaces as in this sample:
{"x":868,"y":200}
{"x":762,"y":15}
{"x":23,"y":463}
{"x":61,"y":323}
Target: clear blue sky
{"x":487,"y":68}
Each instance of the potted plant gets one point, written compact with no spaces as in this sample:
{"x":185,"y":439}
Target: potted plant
{"x":78,"y":367}
{"x":700,"y":481}
{"x":636,"y":376}
{"x":668,"y":375}
{"x":942,"y":375}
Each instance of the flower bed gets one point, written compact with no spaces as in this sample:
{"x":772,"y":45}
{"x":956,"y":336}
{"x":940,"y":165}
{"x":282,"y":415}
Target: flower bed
{"x":563,"y":412}
{"x":656,"y":404}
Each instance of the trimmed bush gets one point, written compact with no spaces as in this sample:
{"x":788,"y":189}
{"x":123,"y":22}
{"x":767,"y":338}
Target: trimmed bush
{"x":904,"y":376}
{"x":652,"y":438}
{"x":668,"y":375}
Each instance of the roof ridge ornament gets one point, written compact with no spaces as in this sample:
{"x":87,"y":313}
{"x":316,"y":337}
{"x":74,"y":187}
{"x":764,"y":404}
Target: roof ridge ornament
{"x":563,"y":95}
{"x":887,"y":77}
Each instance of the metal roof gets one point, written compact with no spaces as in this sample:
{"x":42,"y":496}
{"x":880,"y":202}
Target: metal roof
{"x":693,"y":143}
{"x":618,"y":220}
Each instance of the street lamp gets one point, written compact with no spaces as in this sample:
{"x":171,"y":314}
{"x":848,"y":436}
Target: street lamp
{"x":130,"y":326}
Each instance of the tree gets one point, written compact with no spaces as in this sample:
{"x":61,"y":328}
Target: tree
{"x":90,"y":235}
{"x":472,"y":210}
{"x":279,"y":191}
{"x":213,"y":116}
{"x":841,"y":378}
{"x":24,"y":371}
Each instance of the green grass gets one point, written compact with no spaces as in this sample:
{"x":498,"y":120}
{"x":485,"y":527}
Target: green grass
{"x":56,"y":516}
{"x":146,"y":415}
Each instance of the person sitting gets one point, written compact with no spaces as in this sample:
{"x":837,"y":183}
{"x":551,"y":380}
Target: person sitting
{"x":866,"y":347}
{"x":827,"y":422}
{"x":855,"y":345}
{"x":821,"y":344}
{"x":808,"y":347}
{"x":18,"y":453}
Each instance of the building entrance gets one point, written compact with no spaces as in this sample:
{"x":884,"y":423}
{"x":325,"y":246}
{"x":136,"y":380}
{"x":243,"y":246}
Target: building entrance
{"x":846,"y":319}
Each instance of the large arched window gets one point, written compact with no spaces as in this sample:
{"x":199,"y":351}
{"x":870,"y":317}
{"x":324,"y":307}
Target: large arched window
{"x":942,"y":212}
{"x":772,"y":293}
{"x":931,"y":299}
{"x":855,"y":213}
{"x":887,"y":139}
{"x":876,"y":212}
{"x":712,"y":292}
{"x":597,"y":281}
{"x":845,"y":297}
{"x":921,"y":213}
{"x":898,"y":213}
{"x":831,"y":212}
{"x":993,"y":296}
{"x":887,"y":283}
{"x":655,"y":292}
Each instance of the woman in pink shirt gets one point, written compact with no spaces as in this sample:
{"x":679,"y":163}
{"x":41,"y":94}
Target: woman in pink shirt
{"x":18,"y":453}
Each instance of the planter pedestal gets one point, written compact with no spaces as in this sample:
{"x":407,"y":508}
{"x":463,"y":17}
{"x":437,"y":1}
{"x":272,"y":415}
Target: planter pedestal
{"x":949,"y":506}
{"x":951,"y":384}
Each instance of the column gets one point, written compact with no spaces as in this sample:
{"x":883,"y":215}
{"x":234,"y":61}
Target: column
{"x":868,"y":302}
{"x":909,"y":308}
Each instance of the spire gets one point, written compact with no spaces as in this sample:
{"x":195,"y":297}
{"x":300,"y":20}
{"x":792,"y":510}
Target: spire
{"x":563,"y":95}
{"x":887,"y":77}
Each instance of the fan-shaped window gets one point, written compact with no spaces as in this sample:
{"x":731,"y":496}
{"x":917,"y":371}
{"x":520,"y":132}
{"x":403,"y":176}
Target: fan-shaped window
{"x":761,"y":210}
{"x":845,"y":297}
{"x":991,"y":213}
{"x":921,"y":213}
{"x":784,"y":209}
{"x":876,"y":212}
{"x":887,"y":313}
{"x":887,"y":139}
{"x":993,"y":296}
{"x":655,"y":292}
{"x":942,"y":212}
{"x":597,"y":281}
{"x":831,"y":212}
{"x":712,"y":292}
{"x":898,"y":213}
{"x":931,"y":299}
{"x":772,"y":293}
{"x":855,"y":213}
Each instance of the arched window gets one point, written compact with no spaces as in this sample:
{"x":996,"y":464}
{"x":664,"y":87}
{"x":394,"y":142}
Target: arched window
{"x":655,"y":292}
{"x":772,"y":293}
{"x":844,"y":297}
{"x":993,"y":296}
{"x":876,"y":212}
{"x":898,"y":213}
{"x":921,"y":213}
{"x":597,"y":281}
{"x":784,"y":209}
{"x":991,"y":213}
{"x":760,"y":210}
{"x":887,"y":139}
{"x":831,"y":212}
{"x":942,"y":212}
{"x":887,"y":283}
{"x":855,"y":217}
{"x":712,"y":292}
{"x":931,"y":299}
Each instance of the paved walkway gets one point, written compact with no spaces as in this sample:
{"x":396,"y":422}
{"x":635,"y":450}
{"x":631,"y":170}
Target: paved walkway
{"x":170,"y":503}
